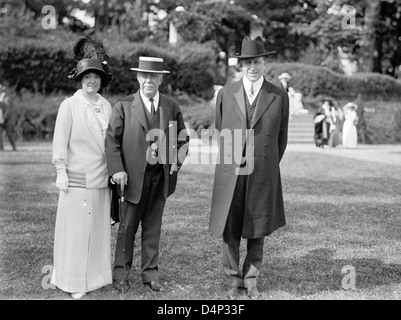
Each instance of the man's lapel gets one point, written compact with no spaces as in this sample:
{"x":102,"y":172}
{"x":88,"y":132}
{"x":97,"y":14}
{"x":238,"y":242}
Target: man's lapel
{"x":164,"y":112}
{"x":263,"y":103}
{"x":139,"y":112}
{"x":240,"y":107}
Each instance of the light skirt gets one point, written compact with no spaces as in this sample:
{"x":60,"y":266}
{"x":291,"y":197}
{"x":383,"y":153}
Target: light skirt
{"x":350,"y":135}
{"x":82,"y":252}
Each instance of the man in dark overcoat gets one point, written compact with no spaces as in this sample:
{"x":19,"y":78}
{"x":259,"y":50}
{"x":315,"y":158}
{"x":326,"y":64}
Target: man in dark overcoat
{"x":145,"y":148}
{"x":247,"y":196}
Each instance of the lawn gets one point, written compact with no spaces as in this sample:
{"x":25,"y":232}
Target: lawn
{"x":342,"y":239}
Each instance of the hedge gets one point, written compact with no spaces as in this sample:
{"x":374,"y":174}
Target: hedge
{"x":41,"y":67}
{"x":313,"y":80}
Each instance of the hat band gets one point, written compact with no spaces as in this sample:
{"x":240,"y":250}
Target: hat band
{"x":151,"y":65}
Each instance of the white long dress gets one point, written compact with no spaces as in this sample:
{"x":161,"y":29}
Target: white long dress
{"x":350,"y":135}
{"x":82,"y":242}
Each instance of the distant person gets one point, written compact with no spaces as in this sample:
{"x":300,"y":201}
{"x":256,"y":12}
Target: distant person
{"x":333,"y":119}
{"x":82,"y":241}
{"x":350,"y":135}
{"x":7,"y":118}
{"x":247,"y":201}
{"x":137,"y":162}
{"x":295,"y":100}
{"x":321,"y":127}
{"x":284,"y":79}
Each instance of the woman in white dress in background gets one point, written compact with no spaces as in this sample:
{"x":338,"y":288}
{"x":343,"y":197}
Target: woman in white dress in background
{"x":350,"y":135}
{"x":82,"y":253}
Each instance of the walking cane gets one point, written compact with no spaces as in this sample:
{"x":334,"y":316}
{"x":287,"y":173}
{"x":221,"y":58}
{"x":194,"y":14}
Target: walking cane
{"x":121,"y":214}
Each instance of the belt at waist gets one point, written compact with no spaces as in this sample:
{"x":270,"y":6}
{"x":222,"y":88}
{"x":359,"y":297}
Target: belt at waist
{"x":76,"y":179}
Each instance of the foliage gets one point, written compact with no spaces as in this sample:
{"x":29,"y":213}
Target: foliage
{"x":36,"y":113}
{"x":224,"y":23}
{"x":316,"y":80}
{"x":44,"y":65}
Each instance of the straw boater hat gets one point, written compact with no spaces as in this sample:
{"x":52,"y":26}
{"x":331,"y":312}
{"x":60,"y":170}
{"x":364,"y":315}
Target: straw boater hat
{"x":252,"y":49}
{"x":285,"y":76}
{"x":150,"y":64}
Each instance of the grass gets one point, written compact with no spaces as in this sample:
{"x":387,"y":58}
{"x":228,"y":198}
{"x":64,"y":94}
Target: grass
{"x":340,"y":213}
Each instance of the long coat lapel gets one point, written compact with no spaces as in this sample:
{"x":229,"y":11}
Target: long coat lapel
{"x":139,"y":111}
{"x":89,"y":119}
{"x":265,"y":99}
{"x":240,"y":107}
{"x":164,"y":113}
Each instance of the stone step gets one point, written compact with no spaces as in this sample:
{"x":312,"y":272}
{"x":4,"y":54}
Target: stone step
{"x":301,"y":129}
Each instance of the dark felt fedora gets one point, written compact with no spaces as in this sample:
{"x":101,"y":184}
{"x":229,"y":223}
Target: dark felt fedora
{"x":252,"y":49}
{"x":150,"y":64}
{"x":90,"y":64}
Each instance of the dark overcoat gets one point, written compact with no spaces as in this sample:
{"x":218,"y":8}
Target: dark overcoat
{"x":127,"y":148}
{"x":264,"y":209}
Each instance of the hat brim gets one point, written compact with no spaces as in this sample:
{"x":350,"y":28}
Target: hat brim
{"x":89,"y":69}
{"x":149,"y":71}
{"x":252,"y":56}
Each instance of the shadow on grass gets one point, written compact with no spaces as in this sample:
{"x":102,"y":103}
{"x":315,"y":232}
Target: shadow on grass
{"x":317,"y":272}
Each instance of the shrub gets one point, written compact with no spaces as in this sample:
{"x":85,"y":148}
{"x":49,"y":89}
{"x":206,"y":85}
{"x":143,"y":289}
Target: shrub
{"x":43,"y":66}
{"x":314,"y":80}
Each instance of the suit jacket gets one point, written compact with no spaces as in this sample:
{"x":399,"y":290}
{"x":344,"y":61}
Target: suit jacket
{"x":264,"y":211}
{"x":127,"y":148}
{"x":78,"y":141}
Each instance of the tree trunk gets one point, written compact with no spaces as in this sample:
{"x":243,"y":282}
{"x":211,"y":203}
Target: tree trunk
{"x":106,"y":21}
{"x":96,"y":15}
{"x":370,"y":44}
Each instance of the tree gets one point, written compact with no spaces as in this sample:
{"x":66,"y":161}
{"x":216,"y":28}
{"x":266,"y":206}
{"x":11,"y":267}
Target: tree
{"x":371,"y":42}
{"x":218,"y":22}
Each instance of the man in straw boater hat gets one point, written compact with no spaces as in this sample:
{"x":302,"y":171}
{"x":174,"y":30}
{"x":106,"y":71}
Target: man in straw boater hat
{"x":247,"y":198}
{"x":145,"y":147}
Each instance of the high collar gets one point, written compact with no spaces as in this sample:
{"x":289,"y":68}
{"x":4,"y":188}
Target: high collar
{"x":257,"y":85}
{"x":147,"y":102}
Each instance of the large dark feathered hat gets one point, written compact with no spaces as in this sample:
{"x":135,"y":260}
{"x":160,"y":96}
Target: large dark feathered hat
{"x":90,"y":54}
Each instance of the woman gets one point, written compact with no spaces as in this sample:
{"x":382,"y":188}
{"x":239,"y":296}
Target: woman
{"x":350,"y":135}
{"x":82,"y":253}
{"x":333,"y":119}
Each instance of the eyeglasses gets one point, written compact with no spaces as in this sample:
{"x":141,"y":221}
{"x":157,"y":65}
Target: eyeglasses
{"x":151,"y":76}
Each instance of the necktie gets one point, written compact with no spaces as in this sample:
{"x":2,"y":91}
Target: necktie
{"x":152,"y":107}
{"x":251,"y":91}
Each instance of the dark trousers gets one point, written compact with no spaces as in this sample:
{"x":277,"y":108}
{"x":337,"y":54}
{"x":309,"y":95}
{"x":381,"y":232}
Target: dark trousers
{"x":149,"y":212}
{"x":10,"y":134}
{"x":231,"y":246}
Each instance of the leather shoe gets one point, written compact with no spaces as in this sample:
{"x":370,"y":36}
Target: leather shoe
{"x":253,"y":292}
{"x":233,"y":292}
{"x":121,"y":286}
{"x":155,"y":285}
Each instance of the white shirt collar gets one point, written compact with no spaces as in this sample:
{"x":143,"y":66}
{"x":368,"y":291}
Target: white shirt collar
{"x":257,"y":85}
{"x":147,"y":102}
